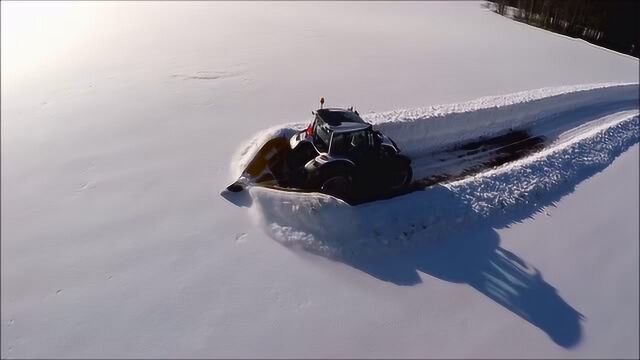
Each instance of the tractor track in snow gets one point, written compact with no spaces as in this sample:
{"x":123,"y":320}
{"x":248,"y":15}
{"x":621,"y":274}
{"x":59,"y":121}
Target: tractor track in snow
{"x":472,"y":158}
{"x":450,"y":143}
{"x":475,"y":157}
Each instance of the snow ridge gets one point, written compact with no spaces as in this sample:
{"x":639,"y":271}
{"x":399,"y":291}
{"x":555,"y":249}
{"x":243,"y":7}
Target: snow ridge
{"x":422,"y":130}
{"x":553,"y":171}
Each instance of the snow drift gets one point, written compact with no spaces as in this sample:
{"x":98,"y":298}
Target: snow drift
{"x":593,"y":124}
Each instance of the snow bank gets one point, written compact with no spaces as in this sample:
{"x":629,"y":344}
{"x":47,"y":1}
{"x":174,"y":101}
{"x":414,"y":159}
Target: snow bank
{"x":554,"y":171}
{"x":426,"y":129}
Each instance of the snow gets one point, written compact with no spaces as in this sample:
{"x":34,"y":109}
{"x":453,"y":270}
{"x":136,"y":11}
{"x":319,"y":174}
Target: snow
{"x":121,"y":122}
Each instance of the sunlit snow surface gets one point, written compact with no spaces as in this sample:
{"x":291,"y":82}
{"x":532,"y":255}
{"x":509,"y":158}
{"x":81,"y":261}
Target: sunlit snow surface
{"x":119,"y":125}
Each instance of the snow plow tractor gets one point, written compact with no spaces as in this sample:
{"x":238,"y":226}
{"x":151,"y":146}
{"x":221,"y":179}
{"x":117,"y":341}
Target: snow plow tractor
{"x":338,"y":154}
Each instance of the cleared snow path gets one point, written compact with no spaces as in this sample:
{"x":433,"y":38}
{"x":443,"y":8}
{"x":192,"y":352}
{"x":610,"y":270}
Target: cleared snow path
{"x":437,"y":138}
{"x":507,"y":194}
{"x":430,"y":134}
{"x":584,"y":129}
{"x":550,"y":132}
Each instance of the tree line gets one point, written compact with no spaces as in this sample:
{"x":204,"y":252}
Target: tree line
{"x":612,"y":24}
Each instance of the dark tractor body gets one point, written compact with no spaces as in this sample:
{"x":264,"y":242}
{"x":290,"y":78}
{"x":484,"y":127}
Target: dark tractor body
{"x":340,"y":154}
